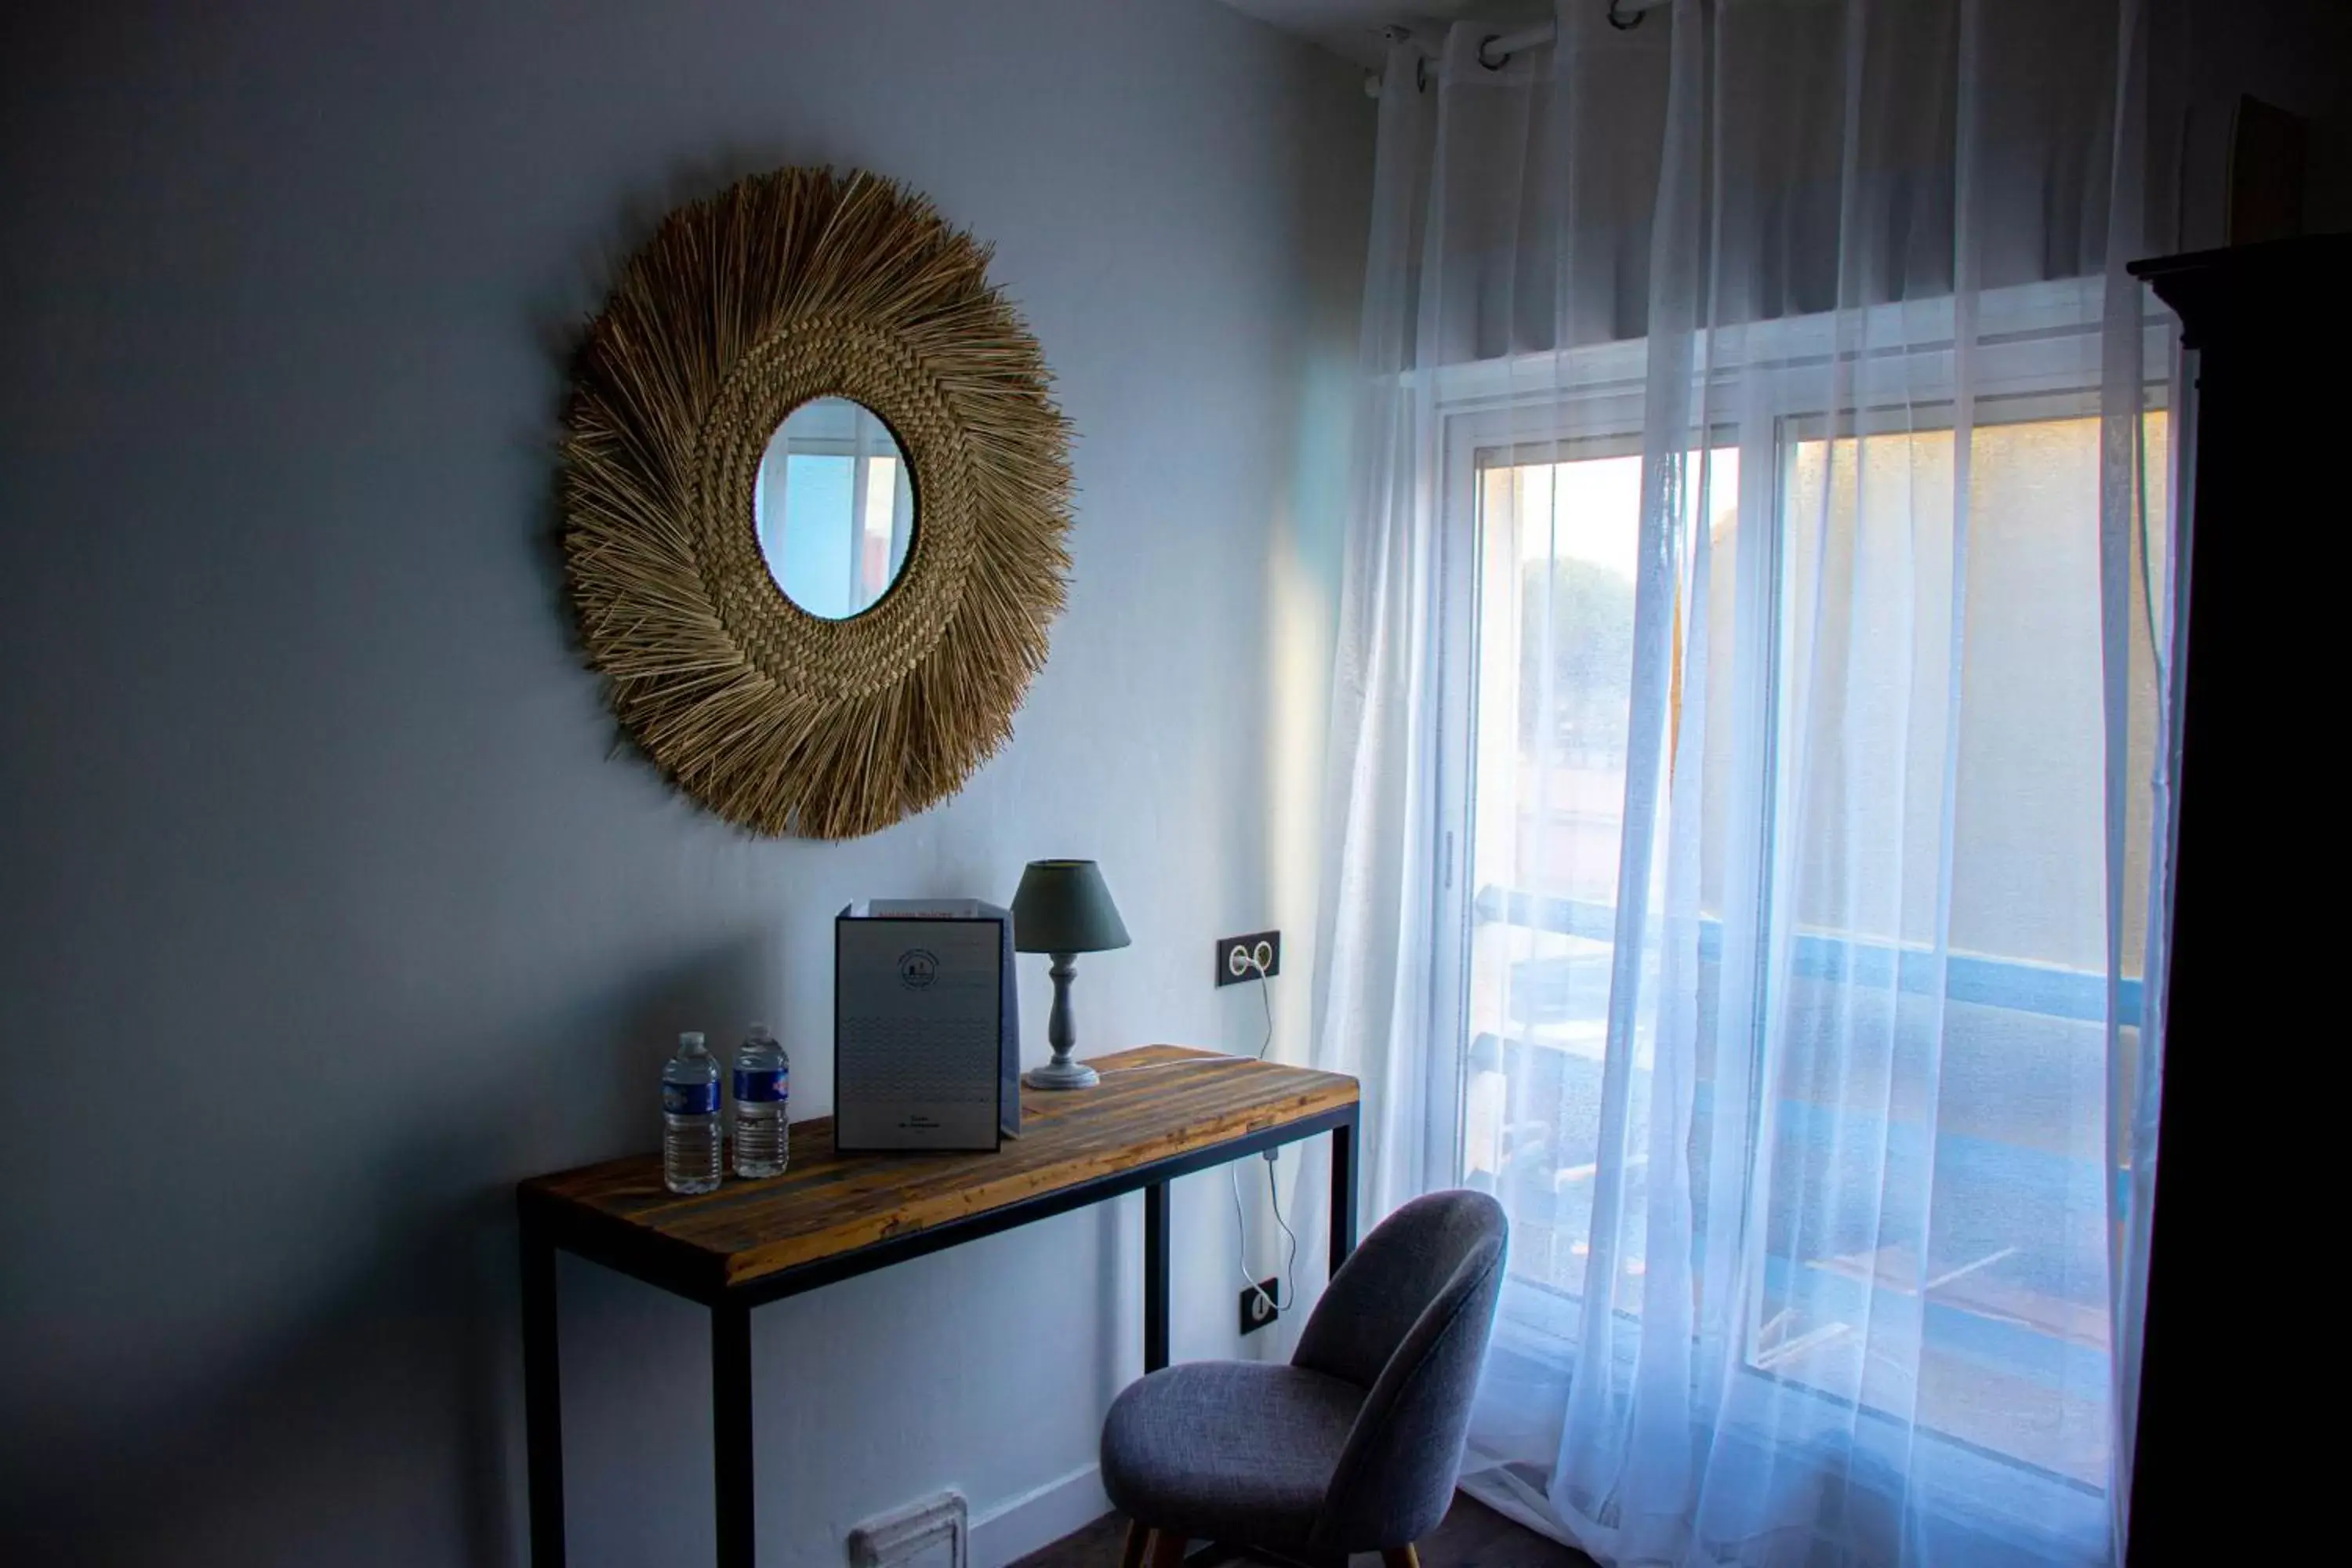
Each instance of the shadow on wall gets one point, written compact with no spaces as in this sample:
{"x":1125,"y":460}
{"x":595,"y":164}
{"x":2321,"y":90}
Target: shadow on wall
{"x":419,"y":1341}
{"x":418,"y":1344}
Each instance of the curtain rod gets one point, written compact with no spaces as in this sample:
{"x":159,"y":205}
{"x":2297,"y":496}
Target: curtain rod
{"x":1624,"y":15}
{"x":1495,"y":51}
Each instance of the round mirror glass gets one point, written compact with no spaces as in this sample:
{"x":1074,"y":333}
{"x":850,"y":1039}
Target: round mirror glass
{"x":834,"y":506}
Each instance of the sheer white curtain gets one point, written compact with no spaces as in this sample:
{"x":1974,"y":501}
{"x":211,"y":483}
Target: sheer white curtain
{"x":1741,"y":808}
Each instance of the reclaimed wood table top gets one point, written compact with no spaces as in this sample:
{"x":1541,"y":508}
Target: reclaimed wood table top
{"x":1155,"y":1103}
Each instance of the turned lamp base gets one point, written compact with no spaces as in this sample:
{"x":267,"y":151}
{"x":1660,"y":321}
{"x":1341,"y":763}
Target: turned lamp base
{"x":1061,"y":1074}
{"x":1062,"y":1034}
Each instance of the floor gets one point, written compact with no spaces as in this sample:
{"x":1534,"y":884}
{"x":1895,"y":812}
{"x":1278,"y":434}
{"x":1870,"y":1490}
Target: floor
{"x":1472,"y":1536}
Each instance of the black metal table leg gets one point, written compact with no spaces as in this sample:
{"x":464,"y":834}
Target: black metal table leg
{"x":542,"y":1395}
{"x":1155,"y":1277}
{"x":1343,"y":1189}
{"x":731,"y":1431}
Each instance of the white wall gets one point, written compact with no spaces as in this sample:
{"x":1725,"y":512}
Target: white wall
{"x":326,"y":910}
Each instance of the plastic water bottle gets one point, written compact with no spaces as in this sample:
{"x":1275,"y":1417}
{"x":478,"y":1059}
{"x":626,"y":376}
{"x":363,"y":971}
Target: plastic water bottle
{"x":690,"y":1119}
{"x":763,"y":1093}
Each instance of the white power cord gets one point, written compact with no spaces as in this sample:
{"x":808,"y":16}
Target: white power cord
{"x":1290,"y":1259}
{"x":1258,"y":960}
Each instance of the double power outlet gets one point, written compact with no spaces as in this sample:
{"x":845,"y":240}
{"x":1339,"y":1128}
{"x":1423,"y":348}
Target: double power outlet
{"x":1257,"y":956}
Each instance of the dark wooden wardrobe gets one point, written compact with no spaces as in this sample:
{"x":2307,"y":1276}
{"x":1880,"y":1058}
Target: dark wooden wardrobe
{"x":2245,"y":1320}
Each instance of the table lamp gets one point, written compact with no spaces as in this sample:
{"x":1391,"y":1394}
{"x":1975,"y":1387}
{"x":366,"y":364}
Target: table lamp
{"x":1063,"y":909}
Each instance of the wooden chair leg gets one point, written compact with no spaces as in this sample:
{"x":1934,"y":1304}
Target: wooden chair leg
{"x":1400,"y":1556}
{"x":1167,"y":1549}
{"x":1138,"y":1537}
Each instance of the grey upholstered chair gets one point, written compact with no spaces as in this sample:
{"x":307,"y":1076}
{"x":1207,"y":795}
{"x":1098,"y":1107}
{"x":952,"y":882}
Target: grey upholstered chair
{"x":1353,"y":1446}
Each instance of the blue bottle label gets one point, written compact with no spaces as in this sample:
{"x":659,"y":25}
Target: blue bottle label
{"x":760,"y":1085}
{"x":690,"y":1099}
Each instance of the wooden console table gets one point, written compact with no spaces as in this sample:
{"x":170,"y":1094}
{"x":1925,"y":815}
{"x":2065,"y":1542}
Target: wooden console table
{"x":1160,"y":1112}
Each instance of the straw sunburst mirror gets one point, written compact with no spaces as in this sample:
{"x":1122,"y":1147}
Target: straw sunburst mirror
{"x":816,"y":503}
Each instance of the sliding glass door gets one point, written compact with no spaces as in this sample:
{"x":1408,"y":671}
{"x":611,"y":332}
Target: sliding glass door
{"x":1847,"y":1060}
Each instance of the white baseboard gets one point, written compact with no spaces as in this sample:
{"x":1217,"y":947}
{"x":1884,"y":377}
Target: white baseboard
{"x":1020,"y":1525}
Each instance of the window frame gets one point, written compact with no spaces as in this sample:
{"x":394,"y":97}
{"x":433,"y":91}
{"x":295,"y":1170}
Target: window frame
{"x":2045,"y":365}
{"x":2037,"y":348}
{"x":2038,"y":353}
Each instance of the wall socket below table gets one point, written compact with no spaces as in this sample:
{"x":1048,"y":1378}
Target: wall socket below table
{"x":1260,"y":1304}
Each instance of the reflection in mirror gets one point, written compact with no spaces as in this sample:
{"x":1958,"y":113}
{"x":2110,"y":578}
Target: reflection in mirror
{"x":834,"y":506}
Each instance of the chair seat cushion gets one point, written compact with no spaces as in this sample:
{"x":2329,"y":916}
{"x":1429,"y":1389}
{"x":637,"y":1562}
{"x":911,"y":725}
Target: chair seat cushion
{"x":1232,"y":1450}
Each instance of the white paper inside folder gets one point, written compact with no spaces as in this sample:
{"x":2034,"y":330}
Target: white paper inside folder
{"x":920,"y":909}
{"x":926,"y":1025}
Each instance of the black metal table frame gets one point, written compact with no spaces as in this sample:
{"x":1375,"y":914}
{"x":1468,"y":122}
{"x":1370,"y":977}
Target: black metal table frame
{"x":548,"y":1227}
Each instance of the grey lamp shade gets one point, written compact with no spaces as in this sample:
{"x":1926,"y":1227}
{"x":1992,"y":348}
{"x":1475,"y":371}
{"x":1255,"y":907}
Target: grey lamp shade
{"x":1064,"y":906}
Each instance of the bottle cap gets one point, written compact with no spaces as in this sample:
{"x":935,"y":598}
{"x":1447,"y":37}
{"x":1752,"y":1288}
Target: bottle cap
{"x":759,"y":1031}
{"x":691,"y":1039}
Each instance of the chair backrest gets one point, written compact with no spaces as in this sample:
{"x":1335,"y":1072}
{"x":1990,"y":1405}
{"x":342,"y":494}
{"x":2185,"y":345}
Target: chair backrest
{"x":1407,"y":1317}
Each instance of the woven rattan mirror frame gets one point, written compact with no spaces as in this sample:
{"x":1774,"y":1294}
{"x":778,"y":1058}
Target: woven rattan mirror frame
{"x":786,"y":287}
